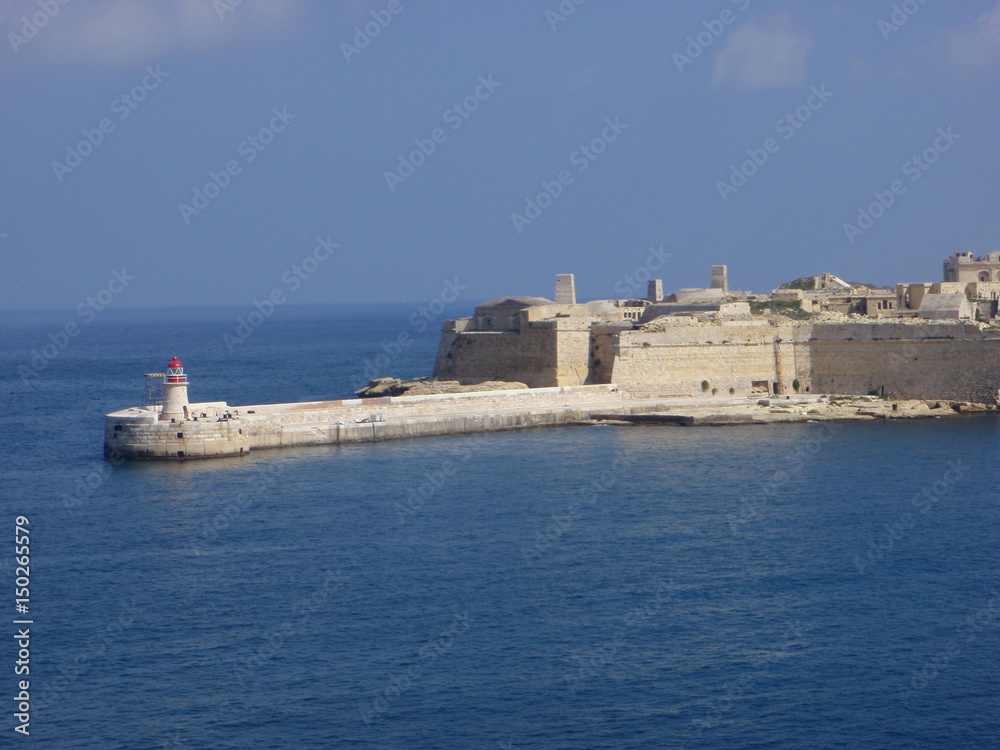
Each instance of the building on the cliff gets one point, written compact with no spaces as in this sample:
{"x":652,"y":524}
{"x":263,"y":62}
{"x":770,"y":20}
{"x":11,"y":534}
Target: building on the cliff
{"x":966,"y":267}
{"x":829,"y":293}
{"x":860,"y":343}
{"x":946,"y":306}
{"x":976,"y":279}
{"x":920,"y":300}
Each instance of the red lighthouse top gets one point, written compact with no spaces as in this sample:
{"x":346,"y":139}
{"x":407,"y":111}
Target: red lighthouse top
{"x":175,"y":372}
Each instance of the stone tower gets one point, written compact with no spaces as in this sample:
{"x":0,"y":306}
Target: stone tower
{"x":565,"y":289}
{"x":720,"y":278}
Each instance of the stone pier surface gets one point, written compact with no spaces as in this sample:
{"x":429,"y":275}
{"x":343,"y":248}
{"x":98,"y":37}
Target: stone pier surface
{"x":215,"y":429}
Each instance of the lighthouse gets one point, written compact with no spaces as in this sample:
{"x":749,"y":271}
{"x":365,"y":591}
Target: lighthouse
{"x":175,"y":391}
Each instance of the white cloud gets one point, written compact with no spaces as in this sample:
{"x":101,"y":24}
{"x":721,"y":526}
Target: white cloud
{"x":759,"y":56}
{"x":116,"y":32}
{"x":977,"y":46}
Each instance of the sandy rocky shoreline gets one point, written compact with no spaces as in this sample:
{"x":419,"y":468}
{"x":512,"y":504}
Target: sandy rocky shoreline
{"x":800,"y":409}
{"x":711,"y":410}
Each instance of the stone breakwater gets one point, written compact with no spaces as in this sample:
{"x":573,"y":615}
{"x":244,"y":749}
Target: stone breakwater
{"x":215,"y":429}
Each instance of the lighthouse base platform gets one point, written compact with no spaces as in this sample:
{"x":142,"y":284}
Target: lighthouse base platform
{"x":215,"y":429}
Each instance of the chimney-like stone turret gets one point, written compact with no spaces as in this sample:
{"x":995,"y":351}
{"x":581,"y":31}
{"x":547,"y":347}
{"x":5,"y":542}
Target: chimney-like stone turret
{"x":565,"y":289}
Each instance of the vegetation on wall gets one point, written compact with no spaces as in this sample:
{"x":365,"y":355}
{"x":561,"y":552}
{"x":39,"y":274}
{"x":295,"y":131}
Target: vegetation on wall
{"x":791,"y":309}
{"x":806,"y":283}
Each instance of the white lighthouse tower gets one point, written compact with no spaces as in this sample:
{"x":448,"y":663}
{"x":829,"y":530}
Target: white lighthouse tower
{"x":175,"y":391}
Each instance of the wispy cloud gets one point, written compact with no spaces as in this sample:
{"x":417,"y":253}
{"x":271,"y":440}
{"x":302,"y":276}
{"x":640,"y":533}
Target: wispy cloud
{"x":763,"y":55}
{"x":978,"y":45}
{"x":114,"y":32}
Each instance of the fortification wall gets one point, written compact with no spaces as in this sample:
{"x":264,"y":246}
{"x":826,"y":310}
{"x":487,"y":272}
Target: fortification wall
{"x":603,"y":347}
{"x":539,"y":357}
{"x":747,"y":356}
{"x":572,"y":357}
{"x":948,"y":361}
{"x":147,"y":437}
{"x":932,"y":359}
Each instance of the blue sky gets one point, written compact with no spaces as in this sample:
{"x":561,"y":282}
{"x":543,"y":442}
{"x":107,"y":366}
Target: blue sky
{"x":491,"y":145}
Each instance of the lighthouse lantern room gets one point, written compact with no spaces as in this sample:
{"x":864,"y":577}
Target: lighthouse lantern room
{"x":175,"y":396}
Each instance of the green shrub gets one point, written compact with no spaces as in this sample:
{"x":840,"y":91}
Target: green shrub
{"x":705,"y":386}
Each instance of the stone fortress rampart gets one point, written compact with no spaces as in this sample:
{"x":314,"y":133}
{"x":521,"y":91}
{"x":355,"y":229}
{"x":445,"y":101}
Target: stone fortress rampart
{"x":700,"y":342}
{"x":615,"y":359}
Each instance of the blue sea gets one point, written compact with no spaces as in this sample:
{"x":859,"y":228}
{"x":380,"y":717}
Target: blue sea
{"x":792,"y":586}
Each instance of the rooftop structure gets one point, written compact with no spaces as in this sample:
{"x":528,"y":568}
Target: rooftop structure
{"x":966,"y":267}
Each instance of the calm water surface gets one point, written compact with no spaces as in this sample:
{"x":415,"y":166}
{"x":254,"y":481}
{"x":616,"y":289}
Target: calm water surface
{"x":754,"y":587}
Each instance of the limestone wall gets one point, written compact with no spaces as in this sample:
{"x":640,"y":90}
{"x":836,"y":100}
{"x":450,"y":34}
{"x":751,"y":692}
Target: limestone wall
{"x":147,"y":437}
{"x":747,"y":356}
{"x":138,"y":433}
{"x":604,"y":344}
{"x":673,"y":356}
{"x":551,"y":355}
{"x":947,"y":361}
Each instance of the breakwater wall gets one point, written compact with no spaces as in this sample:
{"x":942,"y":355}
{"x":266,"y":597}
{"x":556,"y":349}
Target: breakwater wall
{"x":216,"y":429}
